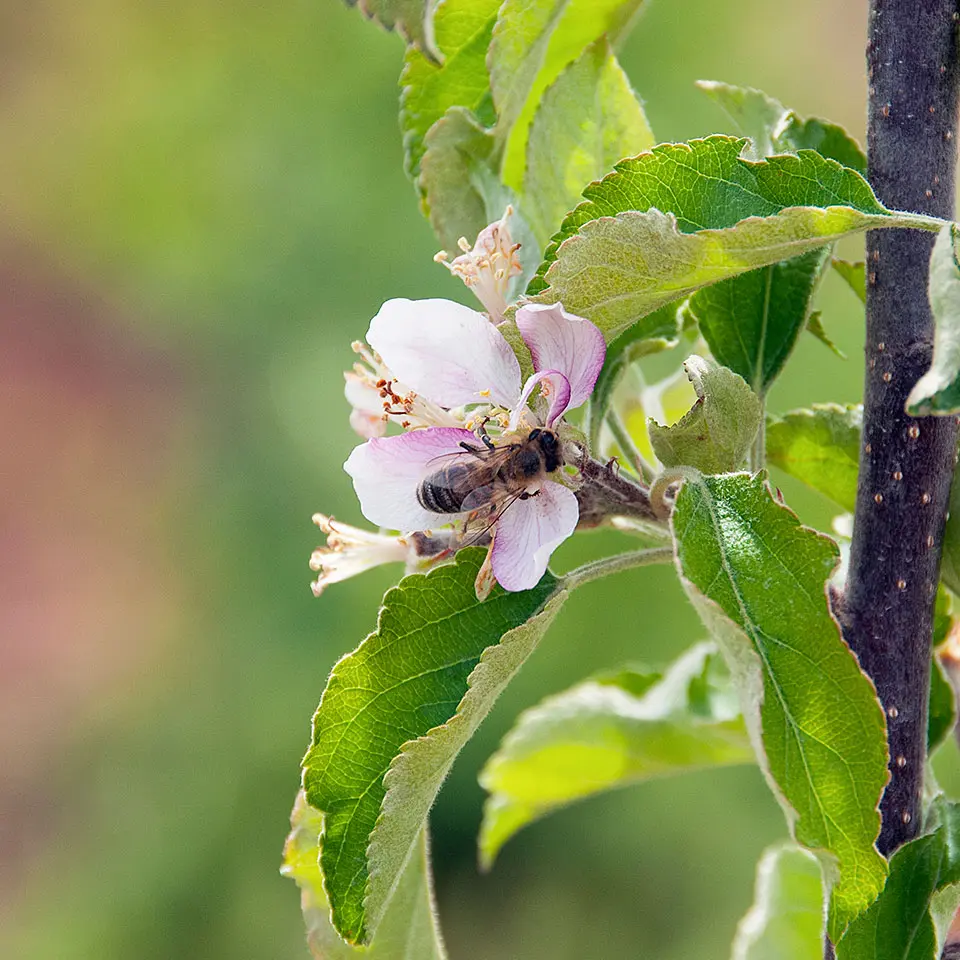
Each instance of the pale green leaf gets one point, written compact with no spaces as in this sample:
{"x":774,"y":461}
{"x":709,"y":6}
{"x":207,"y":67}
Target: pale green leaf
{"x":937,"y":392}
{"x":942,"y":716}
{"x":815,"y":327}
{"x":463,"y":30}
{"x":950,"y":559}
{"x":758,"y":579}
{"x":410,"y":18}
{"x":855,"y":276}
{"x":533,"y":41}
{"x":409,"y":930}
{"x":457,"y":149}
{"x":657,"y":331}
{"x":588,"y":120}
{"x":901,"y":924}
{"x":622,"y":258}
{"x":786,"y":919}
{"x":751,"y":322}
{"x":393,"y":716}
{"x":716,"y":433}
{"x":821,"y":447}
{"x":611,"y":732}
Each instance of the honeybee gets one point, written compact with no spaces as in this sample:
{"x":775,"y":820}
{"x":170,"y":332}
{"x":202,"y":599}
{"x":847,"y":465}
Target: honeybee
{"x":491,"y":476}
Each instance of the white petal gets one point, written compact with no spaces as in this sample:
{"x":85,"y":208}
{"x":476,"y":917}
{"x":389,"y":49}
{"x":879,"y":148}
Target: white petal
{"x":386,"y":472}
{"x":560,"y":341}
{"x":529,"y":531}
{"x":445,"y":351}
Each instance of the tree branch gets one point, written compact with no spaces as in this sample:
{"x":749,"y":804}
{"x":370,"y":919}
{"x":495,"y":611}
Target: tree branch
{"x":906,"y":464}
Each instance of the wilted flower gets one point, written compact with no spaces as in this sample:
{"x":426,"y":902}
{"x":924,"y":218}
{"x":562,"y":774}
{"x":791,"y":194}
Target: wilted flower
{"x":458,"y":359}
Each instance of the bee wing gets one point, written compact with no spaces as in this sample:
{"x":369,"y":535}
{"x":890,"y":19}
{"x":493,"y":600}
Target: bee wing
{"x":497,"y":510}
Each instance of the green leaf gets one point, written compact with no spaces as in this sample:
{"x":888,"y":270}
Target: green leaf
{"x":758,"y":580}
{"x":457,"y":149}
{"x":588,"y":119}
{"x":715,"y":435}
{"x":394,"y":715}
{"x":409,"y":927}
{"x":751,"y":322}
{"x":902,"y":923}
{"x":410,"y":18}
{"x":943,"y":708}
{"x":855,"y":276}
{"x":657,"y":331}
{"x":786,"y":919}
{"x":775,"y":129}
{"x":533,"y":41}
{"x":463,"y":30}
{"x":937,"y":392}
{"x":950,"y":559}
{"x":821,"y":447}
{"x":611,"y":732}
{"x":815,"y":326}
{"x":614,"y":263}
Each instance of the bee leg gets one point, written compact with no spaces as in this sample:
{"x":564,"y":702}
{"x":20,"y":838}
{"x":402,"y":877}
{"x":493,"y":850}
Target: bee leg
{"x":483,"y":435}
{"x":469,"y":447}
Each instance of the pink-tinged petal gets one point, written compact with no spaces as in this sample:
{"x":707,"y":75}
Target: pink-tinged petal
{"x":529,"y":531}
{"x":366,"y":417}
{"x":560,"y":341}
{"x":386,"y":472}
{"x":556,"y":388}
{"x":445,"y":351}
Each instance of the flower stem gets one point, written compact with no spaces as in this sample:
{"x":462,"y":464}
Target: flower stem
{"x":629,"y":449}
{"x":621,"y":561}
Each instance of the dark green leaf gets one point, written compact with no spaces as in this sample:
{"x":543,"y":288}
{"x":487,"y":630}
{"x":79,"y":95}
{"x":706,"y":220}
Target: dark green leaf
{"x":716,"y":433}
{"x":908,"y":919}
{"x":937,"y":392}
{"x":821,"y":447}
{"x":786,"y":919}
{"x":758,"y":579}
{"x":588,"y":119}
{"x":463,"y":30}
{"x":751,"y":322}
{"x":409,"y":928}
{"x":611,"y":732}
{"x":395,"y":713}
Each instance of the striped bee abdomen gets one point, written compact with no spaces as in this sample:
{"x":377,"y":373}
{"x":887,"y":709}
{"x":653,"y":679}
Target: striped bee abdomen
{"x":445,"y":490}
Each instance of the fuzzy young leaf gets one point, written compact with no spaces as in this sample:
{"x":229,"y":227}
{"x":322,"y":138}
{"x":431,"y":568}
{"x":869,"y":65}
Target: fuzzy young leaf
{"x":855,"y":276}
{"x":409,"y":927}
{"x":463,"y":29}
{"x":786,"y":919}
{"x":937,"y":392}
{"x":588,"y":120}
{"x":657,"y":331}
{"x":610,"y":732}
{"x":821,"y":447}
{"x":715,"y":435}
{"x":410,"y":18}
{"x":533,"y":41}
{"x":758,"y":579}
{"x":751,"y":322}
{"x":394,"y":715}
{"x":906,"y":921}
{"x":628,"y":263}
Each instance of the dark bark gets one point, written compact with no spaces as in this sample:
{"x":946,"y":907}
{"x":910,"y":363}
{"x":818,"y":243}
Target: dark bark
{"x":906,"y":464}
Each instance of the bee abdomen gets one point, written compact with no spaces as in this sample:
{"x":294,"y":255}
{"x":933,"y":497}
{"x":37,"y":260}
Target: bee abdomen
{"x":439,"y":497}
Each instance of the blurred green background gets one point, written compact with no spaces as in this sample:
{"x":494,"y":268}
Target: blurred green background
{"x":202,"y":205}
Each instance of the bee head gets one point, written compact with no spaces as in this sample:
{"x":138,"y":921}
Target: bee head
{"x":549,"y":447}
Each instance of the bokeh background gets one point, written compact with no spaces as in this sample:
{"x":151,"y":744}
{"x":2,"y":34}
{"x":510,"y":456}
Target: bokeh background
{"x":202,"y":205}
